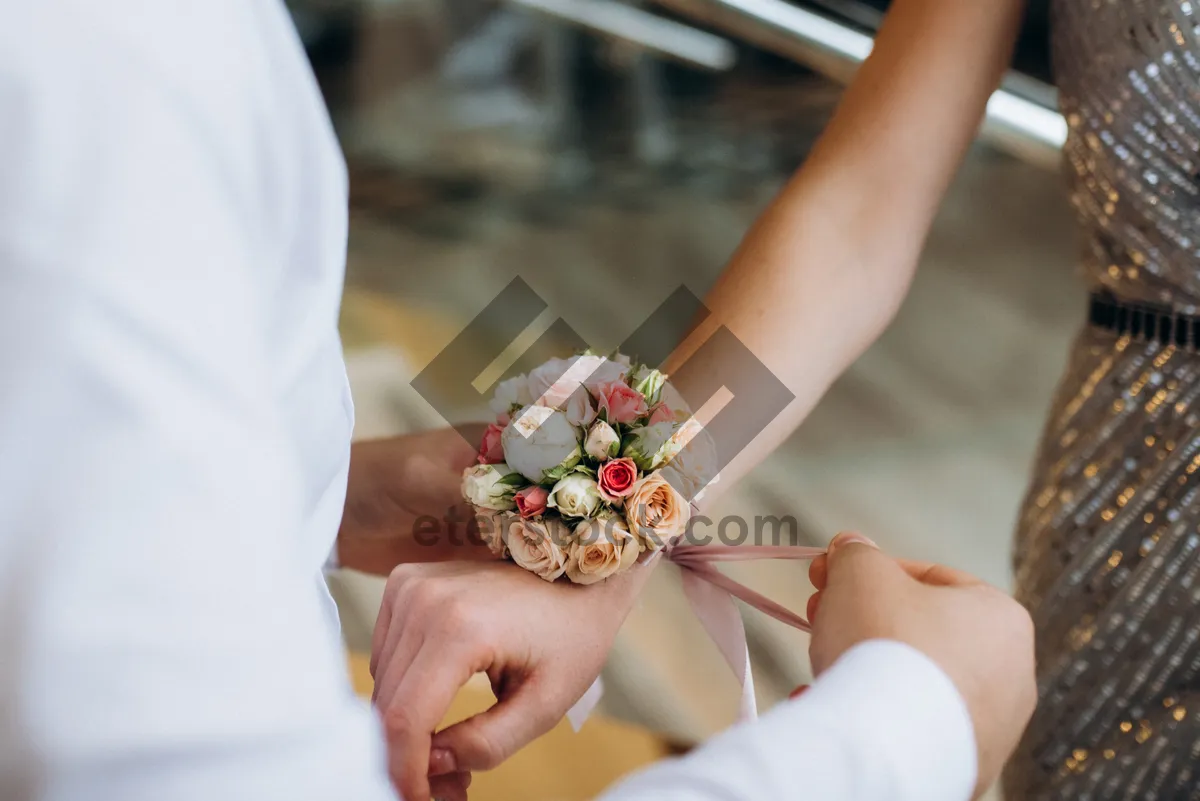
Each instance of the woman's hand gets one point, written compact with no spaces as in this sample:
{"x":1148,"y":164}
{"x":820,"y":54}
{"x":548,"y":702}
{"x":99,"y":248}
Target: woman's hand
{"x":404,"y":503}
{"x":980,"y":637}
{"x":541,"y":645}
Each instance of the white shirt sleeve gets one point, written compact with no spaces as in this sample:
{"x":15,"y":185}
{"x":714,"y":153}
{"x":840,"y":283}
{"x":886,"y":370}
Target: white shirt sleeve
{"x":883,"y":724}
{"x":159,"y":636}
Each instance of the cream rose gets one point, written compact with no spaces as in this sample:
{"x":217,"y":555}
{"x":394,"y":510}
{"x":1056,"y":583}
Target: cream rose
{"x":576,"y":495}
{"x":602,"y":442}
{"x":655,"y":512}
{"x":539,"y":546}
{"x":491,"y":486}
{"x":603,"y":547}
{"x":540,"y":443}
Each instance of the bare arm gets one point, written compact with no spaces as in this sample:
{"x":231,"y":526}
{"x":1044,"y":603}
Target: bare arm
{"x":824,"y":270}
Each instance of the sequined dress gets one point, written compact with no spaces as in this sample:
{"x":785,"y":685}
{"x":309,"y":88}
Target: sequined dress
{"x":1107,"y":553}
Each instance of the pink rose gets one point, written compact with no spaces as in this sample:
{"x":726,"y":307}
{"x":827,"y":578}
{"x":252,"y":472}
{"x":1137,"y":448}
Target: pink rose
{"x":531,"y":501}
{"x":623,"y":403}
{"x":616,"y":479}
{"x":661,"y":414}
{"x":490,"y":450}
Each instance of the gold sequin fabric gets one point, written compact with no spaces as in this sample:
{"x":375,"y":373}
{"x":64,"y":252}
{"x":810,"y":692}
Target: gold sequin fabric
{"x":1107,"y":553}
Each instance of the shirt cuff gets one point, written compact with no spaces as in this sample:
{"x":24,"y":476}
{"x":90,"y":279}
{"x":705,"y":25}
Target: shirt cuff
{"x":908,"y":716}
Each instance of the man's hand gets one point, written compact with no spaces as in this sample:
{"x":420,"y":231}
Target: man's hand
{"x":541,"y":645}
{"x":979,"y":636}
{"x":404,"y":503}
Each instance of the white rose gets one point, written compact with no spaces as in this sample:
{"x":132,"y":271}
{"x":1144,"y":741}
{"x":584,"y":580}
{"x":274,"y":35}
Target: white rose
{"x":557,"y":380}
{"x":649,"y":382}
{"x":579,"y":410}
{"x":576,"y":495}
{"x":539,"y":546}
{"x":510,"y":393}
{"x":602,"y":442}
{"x":603,"y":547}
{"x":491,"y":486}
{"x":672,"y":398}
{"x":694,"y":459}
{"x":650,"y":446}
{"x":541,"y":444}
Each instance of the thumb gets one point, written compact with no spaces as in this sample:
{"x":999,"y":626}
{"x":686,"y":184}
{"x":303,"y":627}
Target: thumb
{"x":855,"y":561}
{"x":486,"y":740}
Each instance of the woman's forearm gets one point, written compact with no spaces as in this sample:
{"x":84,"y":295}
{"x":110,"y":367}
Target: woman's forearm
{"x":825,"y":268}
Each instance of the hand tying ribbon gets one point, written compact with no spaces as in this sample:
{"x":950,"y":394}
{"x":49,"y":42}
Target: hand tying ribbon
{"x":710,"y":593}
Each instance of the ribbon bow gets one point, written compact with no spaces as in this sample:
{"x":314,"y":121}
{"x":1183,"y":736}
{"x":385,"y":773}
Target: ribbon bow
{"x":710,"y":594}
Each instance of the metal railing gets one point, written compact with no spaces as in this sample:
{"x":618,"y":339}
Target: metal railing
{"x":1020,"y":116}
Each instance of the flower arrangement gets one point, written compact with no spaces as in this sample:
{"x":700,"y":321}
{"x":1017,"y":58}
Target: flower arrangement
{"x":592,"y":463}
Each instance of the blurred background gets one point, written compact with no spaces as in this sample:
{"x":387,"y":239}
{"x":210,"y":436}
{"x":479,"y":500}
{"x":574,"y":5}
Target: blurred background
{"x":585,"y":145}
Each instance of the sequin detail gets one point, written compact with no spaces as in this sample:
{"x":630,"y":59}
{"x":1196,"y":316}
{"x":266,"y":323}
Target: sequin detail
{"x":1107,"y":552}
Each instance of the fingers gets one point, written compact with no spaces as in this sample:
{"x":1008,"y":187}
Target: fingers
{"x":383,"y":625}
{"x":452,"y":787}
{"x":402,"y":648}
{"x":936,"y":575}
{"x":929,"y":573}
{"x":487,"y":739}
{"x":818,"y":569}
{"x":414,"y":711}
{"x":854,"y":560}
{"x":818,"y":572}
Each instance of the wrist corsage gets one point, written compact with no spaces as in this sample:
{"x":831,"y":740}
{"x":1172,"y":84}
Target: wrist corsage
{"x":592,"y":464}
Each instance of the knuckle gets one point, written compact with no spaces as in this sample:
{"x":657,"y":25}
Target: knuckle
{"x":401,"y":574}
{"x":489,"y":754}
{"x":459,"y":619}
{"x":397,"y":722}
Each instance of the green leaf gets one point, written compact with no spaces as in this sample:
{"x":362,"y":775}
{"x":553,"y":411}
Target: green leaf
{"x":514,"y":479}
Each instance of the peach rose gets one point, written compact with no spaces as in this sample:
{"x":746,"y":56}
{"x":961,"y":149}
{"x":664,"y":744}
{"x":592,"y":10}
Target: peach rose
{"x":603,"y":547}
{"x":656,"y":513}
{"x":539,"y":545}
{"x":623,"y":403}
{"x":491,"y":528}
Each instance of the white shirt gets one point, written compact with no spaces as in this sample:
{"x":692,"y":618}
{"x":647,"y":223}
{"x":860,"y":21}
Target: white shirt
{"x":174,"y":440}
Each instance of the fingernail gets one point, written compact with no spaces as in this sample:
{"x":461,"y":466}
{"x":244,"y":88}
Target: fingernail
{"x":850,"y":538}
{"x":441,"y":762}
{"x":799,"y":691}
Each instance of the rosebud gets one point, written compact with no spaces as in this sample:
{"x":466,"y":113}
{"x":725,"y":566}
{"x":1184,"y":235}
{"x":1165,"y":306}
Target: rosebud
{"x":602,"y":442}
{"x":649,"y":382}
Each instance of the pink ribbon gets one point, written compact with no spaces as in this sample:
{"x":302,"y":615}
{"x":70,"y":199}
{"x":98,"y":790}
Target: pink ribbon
{"x":710,"y":593}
